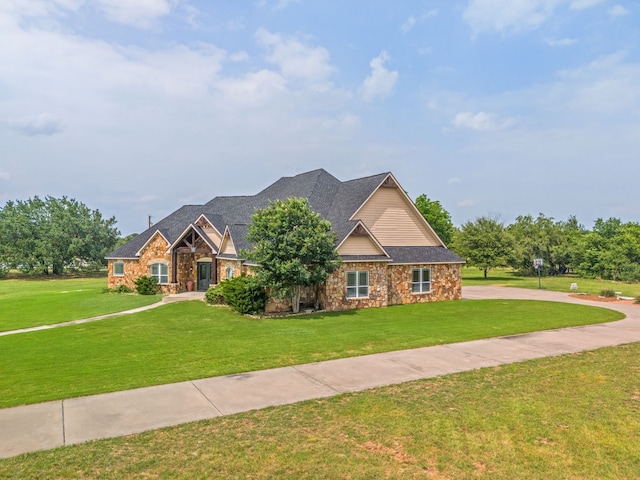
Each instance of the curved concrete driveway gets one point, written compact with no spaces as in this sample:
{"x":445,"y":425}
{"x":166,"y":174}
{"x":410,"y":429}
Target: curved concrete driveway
{"x":52,"y":424}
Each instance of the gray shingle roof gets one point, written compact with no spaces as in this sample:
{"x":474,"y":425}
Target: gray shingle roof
{"x":334,"y":200}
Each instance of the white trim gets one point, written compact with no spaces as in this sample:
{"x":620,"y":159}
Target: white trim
{"x":202,"y":215}
{"x":428,"y":263}
{"x":407,"y":199}
{"x":206,"y":239}
{"x":371,"y":235}
{"x":157,"y":232}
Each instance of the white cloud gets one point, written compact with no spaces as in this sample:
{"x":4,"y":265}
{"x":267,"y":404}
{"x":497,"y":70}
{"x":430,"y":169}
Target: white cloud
{"x":582,"y":4}
{"x":618,"y":11}
{"x":508,"y":15}
{"x":4,"y":175}
{"x":135,"y":13}
{"x":33,"y":125}
{"x":295,"y":59}
{"x":453,"y":180}
{"x":408,"y":24}
{"x":561,"y":42}
{"x":239,"y":56}
{"x":481,"y":121}
{"x":252,"y":89}
{"x":466,"y":203}
{"x":381,"y":82}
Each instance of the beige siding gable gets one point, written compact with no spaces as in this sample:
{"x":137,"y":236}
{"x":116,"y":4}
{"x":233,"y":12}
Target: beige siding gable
{"x":227,"y":247}
{"x":212,"y":232}
{"x":359,"y":245}
{"x":394,"y":220}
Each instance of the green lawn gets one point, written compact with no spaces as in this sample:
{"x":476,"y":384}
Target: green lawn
{"x":571,"y":417}
{"x":29,"y":303}
{"x":558,"y":283}
{"x":190,"y":340}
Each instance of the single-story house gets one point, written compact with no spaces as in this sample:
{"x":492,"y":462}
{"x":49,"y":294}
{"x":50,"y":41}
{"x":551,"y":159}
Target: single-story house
{"x":390,"y":254}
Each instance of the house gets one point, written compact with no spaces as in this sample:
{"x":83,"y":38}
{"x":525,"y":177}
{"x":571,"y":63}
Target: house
{"x":390,"y":254}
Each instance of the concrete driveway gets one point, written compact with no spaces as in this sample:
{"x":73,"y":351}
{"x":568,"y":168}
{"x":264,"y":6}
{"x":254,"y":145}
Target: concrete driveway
{"x":53,"y":424}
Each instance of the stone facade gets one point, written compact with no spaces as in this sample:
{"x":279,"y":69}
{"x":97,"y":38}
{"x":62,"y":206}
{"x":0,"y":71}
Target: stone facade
{"x":388,"y":284}
{"x":336,"y":286}
{"x":445,"y":284}
{"x":154,"y":252}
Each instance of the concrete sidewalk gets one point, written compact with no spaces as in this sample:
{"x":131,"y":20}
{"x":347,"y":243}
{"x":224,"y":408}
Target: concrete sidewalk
{"x":77,"y":420}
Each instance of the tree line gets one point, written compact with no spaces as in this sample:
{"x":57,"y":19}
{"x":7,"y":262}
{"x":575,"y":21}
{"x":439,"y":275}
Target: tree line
{"x":52,"y":235}
{"x":610,"y":250}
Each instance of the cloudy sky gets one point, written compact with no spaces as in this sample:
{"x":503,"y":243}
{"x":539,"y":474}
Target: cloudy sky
{"x":492,"y":107}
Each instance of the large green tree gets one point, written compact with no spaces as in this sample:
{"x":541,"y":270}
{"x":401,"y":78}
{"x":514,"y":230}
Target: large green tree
{"x":485,"y":243}
{"x":611,"y":250}
{"x":544,"y":238}
{"x":437,"y":216}
{"x":292,"y":246}
{"x":52,"y":234}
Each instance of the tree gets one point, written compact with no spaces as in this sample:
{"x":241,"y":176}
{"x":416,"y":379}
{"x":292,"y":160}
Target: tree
{"x":484,"y":243}
{"x":292,"y":246}
{"x":437,"y":216}
{"x":51,"y":235}
{"x":543,"y":238}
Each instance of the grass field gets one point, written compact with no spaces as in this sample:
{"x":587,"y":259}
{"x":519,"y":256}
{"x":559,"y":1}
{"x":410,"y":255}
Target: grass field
{"x":558,"y":283}
{"x":570,"y":417}
{"x":190,"y":340}
{"x":29,"y":303}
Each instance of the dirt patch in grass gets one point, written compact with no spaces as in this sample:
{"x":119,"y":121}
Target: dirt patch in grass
{"x":597,"y":298}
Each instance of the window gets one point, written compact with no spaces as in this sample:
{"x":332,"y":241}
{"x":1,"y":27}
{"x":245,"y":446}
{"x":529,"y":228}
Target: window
{"x":421,"y":280}
{"x":229,"y":272}
{"x":161,"y":272}
{"x":118,"y":269}
{"x":358,"y":284}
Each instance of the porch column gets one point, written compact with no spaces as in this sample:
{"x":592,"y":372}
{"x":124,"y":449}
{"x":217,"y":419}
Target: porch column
{"x":174,"y":266}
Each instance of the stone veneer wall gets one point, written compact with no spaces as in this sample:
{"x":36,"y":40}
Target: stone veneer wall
{"x":223,"y":264}
{"x":336,"y":292}
{"x":154,"y":252}
{"x":446,"y":284}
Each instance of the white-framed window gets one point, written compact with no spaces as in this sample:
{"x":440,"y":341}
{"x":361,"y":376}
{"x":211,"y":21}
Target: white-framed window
{"x":118,"y":269}
{"x":229,"y":272}
{"x":160,"y":271}
{"x":358,"y":284}
{"x":421,"y":280}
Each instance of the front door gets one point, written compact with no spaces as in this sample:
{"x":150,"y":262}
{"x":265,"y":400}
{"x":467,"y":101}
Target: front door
{"x":204,"y":276}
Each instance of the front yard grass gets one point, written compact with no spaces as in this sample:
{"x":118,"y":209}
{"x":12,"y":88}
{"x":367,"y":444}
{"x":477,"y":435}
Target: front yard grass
{"x":190,"y":340}
{"x":570,"y":417}
{"x":472,"y":276}
{"x":30,"y":303}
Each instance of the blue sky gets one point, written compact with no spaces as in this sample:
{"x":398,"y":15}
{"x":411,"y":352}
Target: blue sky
{"x":492,"y":107}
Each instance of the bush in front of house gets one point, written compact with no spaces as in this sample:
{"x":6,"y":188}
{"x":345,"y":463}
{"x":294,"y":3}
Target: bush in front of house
{"x":146,"y":285}
{"x":244,"y":294}
{"x":215,"y":295}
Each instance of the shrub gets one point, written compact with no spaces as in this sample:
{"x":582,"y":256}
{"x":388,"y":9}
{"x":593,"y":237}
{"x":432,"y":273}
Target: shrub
{"x":607,"y":293}
{"x":123,"y":289}
{"x":243,"y":294}
{"x":215,"y":295}
{"x":146,"y":285}
{"x":637,"y":299}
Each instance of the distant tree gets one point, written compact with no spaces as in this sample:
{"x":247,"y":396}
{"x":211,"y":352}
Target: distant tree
{"x":437,"y":216}
{"x":543,"y":238}
{"x":611,"y":251}
{"x":292,"y":246}
{"x":122,"y":240}
{"x":485,"y":243}
{"x":50,"y":235}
